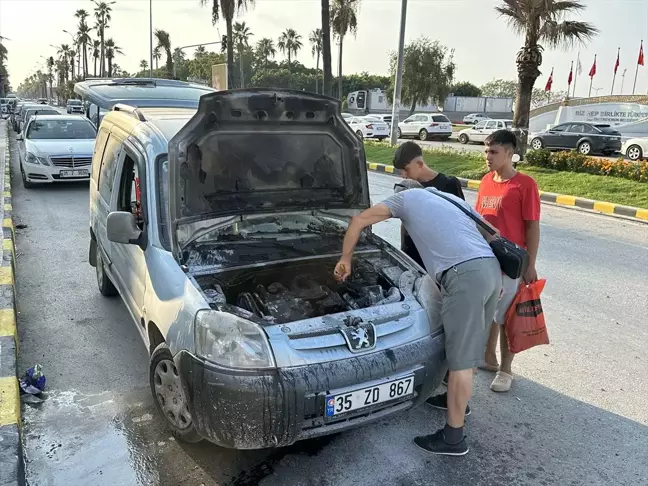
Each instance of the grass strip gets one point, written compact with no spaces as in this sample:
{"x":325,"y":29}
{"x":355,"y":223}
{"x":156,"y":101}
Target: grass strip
{"x":599,"y":188}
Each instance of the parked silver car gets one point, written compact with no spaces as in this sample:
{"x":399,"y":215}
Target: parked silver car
{"x":220,"y":228}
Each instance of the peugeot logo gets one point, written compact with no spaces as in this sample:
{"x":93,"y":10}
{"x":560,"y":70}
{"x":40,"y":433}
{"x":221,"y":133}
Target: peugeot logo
{"x":359,"y":336}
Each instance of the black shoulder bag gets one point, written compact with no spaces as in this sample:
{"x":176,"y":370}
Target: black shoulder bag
{"x":513,"y":259}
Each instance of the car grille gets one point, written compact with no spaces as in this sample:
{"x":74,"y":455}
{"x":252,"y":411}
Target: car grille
{"x":67,"y":161}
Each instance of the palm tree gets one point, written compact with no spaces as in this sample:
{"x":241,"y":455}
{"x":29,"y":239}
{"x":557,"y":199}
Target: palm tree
{"x":164,"y":41}
{"x":111,"y":51}
{"x":227,"y":9}
{"x":102,"y":15}
{"x":83,"y":37}
{"x":50,"y":76}
{"x":157,"y":55}
{"x":241,"y":34}
{"x":72,"y":54}
{"x":289,"y":43}
{"x":144,"y":65}
{"x":64,"y":55}
{"x":96,"y":52}
{"x":343,"y":20}
{"x":539,"y":21}
{"x":265,"y":50}
{"x":327,"y":87}
{"x":315,"y":39}
{"x":200,"y":51}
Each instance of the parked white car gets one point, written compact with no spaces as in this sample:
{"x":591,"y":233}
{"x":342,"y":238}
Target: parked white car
{"x":346,"y":116}
{"x":426,"y":126}
{"x":56,"y":148}
{"x":368,"y":127}
{"x":382,"y":118}
{"x":635,"y":148}
{"x":475,"y":118}
{"x":483,"y":129}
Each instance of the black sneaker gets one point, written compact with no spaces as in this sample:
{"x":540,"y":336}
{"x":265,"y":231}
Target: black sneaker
{"x":436,"y":444}
{"x":441,"y":402}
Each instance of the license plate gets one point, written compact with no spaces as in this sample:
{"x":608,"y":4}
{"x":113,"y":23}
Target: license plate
{"x":366,"y":397}
{"x":446,"y":127}
{"x":381,"y":129}
{"x":74,"y":173}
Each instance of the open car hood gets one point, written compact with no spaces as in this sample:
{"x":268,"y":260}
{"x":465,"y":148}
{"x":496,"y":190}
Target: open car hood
{"x":261,"y":150}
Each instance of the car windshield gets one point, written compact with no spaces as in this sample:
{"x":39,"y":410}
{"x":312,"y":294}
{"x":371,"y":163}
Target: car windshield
{"x":508,"y":124}
{"x":74,"y":102}
{"x":61,"y":130}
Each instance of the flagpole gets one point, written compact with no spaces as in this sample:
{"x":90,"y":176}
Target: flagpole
{"x":616,"y":66}
{"x":592,"y":79}
{"x":637,"y":70}
{"x":576,"y":74}
{"x":571,"y":71}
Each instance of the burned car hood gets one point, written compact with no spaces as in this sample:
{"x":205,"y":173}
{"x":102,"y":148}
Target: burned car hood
{"x":261,"y":150}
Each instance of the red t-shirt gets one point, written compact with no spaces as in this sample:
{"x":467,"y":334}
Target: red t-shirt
{"x":507,"y":205}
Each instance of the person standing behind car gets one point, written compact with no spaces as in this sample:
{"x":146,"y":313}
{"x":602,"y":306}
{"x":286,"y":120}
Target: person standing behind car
{"x":509,"y":201}
{"x":409,"y":160}
{"x":457,"y":256}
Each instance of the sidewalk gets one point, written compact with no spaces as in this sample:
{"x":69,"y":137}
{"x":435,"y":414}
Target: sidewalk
{"x":11,"y":472}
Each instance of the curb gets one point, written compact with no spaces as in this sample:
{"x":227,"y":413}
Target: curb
{"x":12,"y":471}
{"x":636,"y":214}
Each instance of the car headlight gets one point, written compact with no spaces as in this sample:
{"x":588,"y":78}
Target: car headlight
{"x":32,"y":159}
{"x":232,"y":341}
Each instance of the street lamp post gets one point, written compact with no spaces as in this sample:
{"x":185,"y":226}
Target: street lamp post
{"x":175,"y":64}
{"x":74,"y":43}
{"x":398,"y":85}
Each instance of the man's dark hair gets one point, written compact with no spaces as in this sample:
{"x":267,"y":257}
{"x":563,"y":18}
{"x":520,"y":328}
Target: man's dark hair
{"x":502,"y":137}
{"x":405,"y":153}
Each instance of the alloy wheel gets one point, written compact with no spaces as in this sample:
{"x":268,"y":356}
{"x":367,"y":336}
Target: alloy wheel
{"x":536,"y":144}
{"x":585,"y":148}
{"x":634,"y":152}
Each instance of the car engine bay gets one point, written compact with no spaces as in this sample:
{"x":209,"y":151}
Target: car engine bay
{"x":301,"y":290}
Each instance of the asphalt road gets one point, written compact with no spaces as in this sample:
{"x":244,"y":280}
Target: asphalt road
{"x":577,"y":413}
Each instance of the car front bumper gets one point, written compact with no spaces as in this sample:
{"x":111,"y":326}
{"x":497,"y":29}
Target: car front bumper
{"x":38,"y":173}
{"x":254,"y":410}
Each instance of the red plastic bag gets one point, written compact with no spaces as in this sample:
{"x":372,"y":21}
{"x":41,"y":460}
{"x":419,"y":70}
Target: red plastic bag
{"x":525,"y":323}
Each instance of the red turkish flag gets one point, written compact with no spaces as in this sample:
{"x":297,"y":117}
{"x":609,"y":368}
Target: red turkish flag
{"x":571,"y":75}
{"x":549,"y":81}
{"x":641,"y":55}
{"x":616,"y":65}
{"x":592,"y":72}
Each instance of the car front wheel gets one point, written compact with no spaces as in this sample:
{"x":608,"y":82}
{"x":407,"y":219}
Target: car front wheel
{"x":26,"y":183}
{"x":106,"y":287}
{"x":634,"y":152}
{"x":536,"y":144}
{"x":423,"y":134}
{"x":166,"y":387}
{"x":398,"y":133}
{"x":585,"y":148}
{"x":359,"y":134}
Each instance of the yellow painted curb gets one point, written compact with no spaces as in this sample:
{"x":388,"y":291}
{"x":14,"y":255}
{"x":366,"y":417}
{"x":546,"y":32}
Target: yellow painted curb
{"x":9,"y":401}
{"x":642,"y":214}
{"x":373,"y":166}
{"x":7,"y":207}
{"x":604,"y":207}
{"x":389,"y":169}
{"x":7,"y":223}
{"x":566,"y":200}
{"x":473,"y":184}
{"x":7,"y":194}
{"x":8,"y":322}
{"x":6,"y":276}
{"x":7,"y":244}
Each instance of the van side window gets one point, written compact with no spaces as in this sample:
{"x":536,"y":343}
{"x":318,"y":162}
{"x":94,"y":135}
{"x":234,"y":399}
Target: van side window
{"x":108,"y":168}
{"x":100,"y":144}
{"x":130,"y":191}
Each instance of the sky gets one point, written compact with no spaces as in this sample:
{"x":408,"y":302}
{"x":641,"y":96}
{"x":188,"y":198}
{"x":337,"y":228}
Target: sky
{"x":484,"y":46}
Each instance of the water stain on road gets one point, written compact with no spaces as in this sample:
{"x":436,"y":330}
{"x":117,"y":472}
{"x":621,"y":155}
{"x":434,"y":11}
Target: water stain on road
{"x":75,"y":438}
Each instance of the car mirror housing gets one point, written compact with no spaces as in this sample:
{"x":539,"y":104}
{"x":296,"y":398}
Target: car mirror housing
{"x":19,"y":137}
{"x":121,"y":227}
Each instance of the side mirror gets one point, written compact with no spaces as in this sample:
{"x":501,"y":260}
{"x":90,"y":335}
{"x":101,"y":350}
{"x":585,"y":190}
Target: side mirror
{"x":19,"y":137}
{"x":121,"y":227}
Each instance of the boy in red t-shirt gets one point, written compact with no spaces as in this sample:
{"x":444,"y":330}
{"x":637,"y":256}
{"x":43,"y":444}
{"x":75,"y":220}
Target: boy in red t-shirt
{"x":510,"y":202}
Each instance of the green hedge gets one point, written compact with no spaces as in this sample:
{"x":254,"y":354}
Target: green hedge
{"x":573,"y":161}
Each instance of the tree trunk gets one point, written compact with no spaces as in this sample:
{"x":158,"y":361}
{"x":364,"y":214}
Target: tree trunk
{"x":521,"y":112}
{"x":241,"y":69}
{"x":95,"y":66}
{"x":85,"y":61}
{"x":340,"y":94}
{"x":169,"y":64}
{"x":317,"y":72}
{"x":289,"y":62}
{"x":327,"y":88}
{"x":102,"y":53}
{"x":230,"y":52}
{"x":413,"y":107}
{"x":109,"y":60}
{"x":72,"y":66}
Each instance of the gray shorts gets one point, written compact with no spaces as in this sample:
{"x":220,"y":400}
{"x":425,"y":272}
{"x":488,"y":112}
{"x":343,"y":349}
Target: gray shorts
{"x":470,"y":294}
{"x":509,"y":291}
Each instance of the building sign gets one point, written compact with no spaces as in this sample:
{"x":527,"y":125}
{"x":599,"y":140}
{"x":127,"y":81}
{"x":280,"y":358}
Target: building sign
{"x":610,"y":115}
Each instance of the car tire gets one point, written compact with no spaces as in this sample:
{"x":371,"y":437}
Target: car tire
{"x":634,"y":152}
{"x":26,"y":183}
{"x":380,"y":139}
{"x":398,"y":133}
{"x":423,"y":135}
{"x":537,"y":144}
{"x":168,"y":394}
{"x":585,"y":147}
{"x":106,"y":287}
{"x":463,"y":138}
{"x":359,"y":134}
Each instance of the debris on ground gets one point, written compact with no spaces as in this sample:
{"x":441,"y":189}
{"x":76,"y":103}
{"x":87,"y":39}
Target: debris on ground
{"x":32,"y":385}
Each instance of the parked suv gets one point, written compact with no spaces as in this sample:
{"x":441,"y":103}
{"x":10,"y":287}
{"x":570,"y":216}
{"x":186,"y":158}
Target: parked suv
{"x":426,"y":126}
{"x":74,"y":106}
{"x":220,"y":228}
